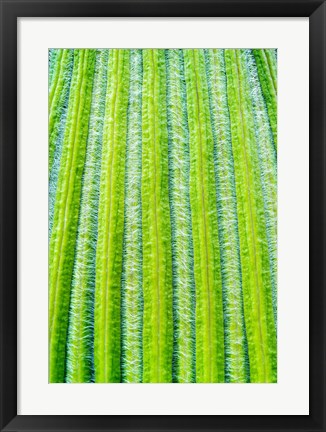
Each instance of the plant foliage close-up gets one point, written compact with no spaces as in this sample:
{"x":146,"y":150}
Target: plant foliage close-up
{"x":162,"y":215}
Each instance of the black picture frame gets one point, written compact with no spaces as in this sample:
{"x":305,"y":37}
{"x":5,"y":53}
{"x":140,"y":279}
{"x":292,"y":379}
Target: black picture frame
{"x":10,"y":11}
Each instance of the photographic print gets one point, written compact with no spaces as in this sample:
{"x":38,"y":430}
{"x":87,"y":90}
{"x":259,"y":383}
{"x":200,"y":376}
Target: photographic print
{"x":162,"y":215}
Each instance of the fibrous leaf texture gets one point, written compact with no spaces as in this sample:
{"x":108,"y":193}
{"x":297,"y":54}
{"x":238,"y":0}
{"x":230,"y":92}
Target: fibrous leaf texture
{"x":162,"y":216}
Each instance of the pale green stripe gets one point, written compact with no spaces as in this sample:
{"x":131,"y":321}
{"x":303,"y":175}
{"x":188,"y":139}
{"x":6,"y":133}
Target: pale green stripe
{"x":132,"y":297}
{"x":184,"y":295}
{"x":57,"y":131}
{"x":269,"y":88}
{"x":107,"y":340}
{"x":209,"y":305}
{"x":55,"y":71}
{"x":262,"y":223}
{"x":62,"y":243}
{"x":252,"y":232}
{"x":58,"y":99}
{"x":80,"y":367}
{"x":157,"y":255}
{"x":268,"y":168}
{"x":236,"y":361}
{"x":53,"y":64}
{"x":272,"y":65}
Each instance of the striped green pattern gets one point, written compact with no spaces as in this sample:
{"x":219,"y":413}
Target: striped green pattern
{"x":162,"y":216}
